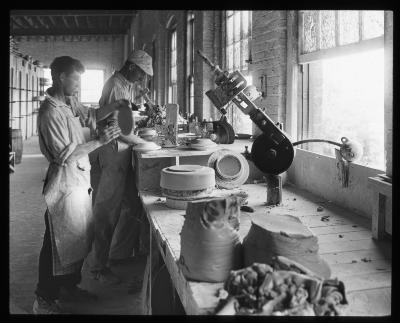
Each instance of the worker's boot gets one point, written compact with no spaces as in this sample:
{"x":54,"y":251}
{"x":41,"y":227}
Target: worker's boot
{"x":106,"y":276}
{"x":42,"y":306}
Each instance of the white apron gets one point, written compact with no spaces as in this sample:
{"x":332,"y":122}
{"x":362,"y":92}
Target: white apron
{"x":67,"y":193}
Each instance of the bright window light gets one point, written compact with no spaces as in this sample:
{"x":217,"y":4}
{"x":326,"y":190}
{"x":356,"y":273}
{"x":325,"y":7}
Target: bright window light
{"x":346,"y":98}
{"x":91,"y":86}
{"x":47,"y":75}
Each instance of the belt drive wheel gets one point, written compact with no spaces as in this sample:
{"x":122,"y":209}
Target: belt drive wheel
{"x":272,"y":158}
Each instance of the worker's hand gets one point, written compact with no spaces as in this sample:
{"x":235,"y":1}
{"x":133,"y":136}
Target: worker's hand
{"x":109,"y":133}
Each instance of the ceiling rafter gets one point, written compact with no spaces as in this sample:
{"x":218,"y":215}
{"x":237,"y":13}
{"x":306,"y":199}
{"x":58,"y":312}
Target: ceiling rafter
{"x":15,"y":21}
{"x":72,"y":12}
{"x":41,"y":22}
{"x":88,"y":22}
{"x":76,"y":21}
{"x":64,"y":19}
{"x":51,"y":21}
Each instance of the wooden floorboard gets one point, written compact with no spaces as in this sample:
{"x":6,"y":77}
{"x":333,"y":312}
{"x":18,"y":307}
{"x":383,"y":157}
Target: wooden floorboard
{"x":349,"y":256}
{"x":360,"y":267}
{"x":374,"y":302}
{"x":337,"y":229}
{"x":344,"y":236}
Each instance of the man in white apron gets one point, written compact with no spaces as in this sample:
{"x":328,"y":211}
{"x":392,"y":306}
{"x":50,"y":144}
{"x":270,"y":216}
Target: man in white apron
{"x":67,"y":192}
{"x":117,"y":208}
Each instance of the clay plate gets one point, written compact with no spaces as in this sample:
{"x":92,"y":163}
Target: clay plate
{"x":147,"y":146}
{"x":231,"y":168}
{"x":125,"y":119}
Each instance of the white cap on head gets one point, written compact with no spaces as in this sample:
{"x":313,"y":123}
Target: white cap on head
{"x":142,"y":59}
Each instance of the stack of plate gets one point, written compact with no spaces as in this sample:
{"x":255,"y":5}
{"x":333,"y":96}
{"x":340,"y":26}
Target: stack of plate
{"x":147,"y":146}
{"x":203,"y":144}
{"x":147,"y":133}
{"x":183,"y":183}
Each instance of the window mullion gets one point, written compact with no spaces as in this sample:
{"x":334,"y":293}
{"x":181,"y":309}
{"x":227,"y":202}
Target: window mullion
{"x":360,"y":25}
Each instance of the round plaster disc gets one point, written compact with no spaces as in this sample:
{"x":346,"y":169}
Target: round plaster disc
{"x":125,"y":119}
{"x":231,"y":168}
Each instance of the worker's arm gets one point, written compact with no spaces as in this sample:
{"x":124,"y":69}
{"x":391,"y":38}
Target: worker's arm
{"x":105,"y":110}
{"x":54,"y":136}
{"x":108,"y":134}
{"x":131,"y":139}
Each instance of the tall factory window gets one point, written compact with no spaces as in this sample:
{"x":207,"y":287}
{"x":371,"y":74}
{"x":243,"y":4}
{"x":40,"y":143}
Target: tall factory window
{"x":342,"y":59}
{"x":91,"y":86}
{"x":172,"y":77}
{"x":47,"y":75}
{"x":190,"y":63}
{"x":237,"y":39}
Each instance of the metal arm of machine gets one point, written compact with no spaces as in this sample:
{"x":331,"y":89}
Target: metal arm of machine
{"x":272,"y":152}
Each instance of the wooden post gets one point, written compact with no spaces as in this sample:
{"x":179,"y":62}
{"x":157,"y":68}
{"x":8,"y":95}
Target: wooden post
{"x":274,"y":189}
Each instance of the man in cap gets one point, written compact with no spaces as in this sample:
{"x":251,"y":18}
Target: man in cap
{"x":117,"y":207}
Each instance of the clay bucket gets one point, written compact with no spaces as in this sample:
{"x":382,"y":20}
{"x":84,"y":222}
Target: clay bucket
{"x":283,"y":235}
{"x":210,"y":244}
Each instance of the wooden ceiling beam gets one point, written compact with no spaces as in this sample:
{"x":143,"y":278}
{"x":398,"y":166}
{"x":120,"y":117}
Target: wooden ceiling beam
{"x":88,"y":22}
{"x":52,"y":23}
{"x":16,"y":22}
{"x":65,"y":21}
{"x":73,"y":12}
{"x":76,"y":21}
{"x":63,"y":31}
{"x":27,"y":22}
{"x":42,"y":23}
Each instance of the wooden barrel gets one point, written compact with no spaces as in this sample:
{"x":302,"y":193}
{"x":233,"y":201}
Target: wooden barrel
{"x":16,"y":144}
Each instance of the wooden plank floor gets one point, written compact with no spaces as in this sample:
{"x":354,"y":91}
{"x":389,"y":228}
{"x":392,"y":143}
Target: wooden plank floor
{"x":345,"y":242}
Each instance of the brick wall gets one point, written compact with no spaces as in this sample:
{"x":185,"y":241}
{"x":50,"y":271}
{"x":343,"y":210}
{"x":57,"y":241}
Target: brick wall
{"x":102,"y":52}
{"x":270,"y":59}
{"x":268,"y":53}
{"x":151,"y":25}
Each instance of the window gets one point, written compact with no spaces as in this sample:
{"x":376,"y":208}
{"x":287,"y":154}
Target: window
{"x":91,"y":86}
{"x":151,"y":80}
{"x":47,"y":75}
{"x":190,"y":64}
{"x":238,"y":34}
{"x":172,"y":79}
{"x":342,"y":59}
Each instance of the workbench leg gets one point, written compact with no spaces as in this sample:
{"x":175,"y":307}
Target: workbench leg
{"x":152,"y":265}
{"x":378,"y":216}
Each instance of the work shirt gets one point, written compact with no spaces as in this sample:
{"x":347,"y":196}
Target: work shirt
{"x":67,"y":185}
{"x":116,"y":88}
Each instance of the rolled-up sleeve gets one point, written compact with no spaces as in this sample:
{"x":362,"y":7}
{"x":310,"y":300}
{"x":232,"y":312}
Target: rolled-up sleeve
{"x":54,"y":139}
{"x":87,"y":115}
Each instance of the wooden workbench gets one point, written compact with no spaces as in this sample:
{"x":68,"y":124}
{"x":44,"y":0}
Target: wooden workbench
{"x":363,"y":264}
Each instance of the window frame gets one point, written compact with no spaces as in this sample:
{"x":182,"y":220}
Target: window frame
{"x":232,"y":112}
{"x":189,"y":79}
{"x":80,"y":86}
{"x":171,"y":87}
{"x":303,"y":62}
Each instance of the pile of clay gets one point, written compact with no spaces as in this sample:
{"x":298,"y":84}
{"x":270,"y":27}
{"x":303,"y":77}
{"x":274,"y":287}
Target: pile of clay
{"x":210,"y":244}
{"x":283,"y":288}
{"x":283,"y":235}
